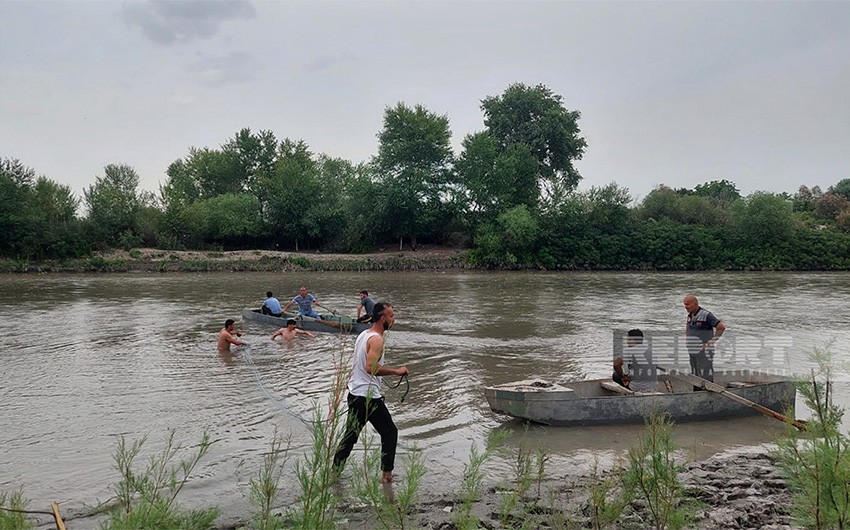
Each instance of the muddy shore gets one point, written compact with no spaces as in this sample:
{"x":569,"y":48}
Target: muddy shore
{"x":156,"y":260}
{"x":739,"y":488}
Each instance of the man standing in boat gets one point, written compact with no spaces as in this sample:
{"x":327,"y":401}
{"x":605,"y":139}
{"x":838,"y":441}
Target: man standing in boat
{"x":701,"y":333}
{"x":365,"y":401}
{"x":366,"y":304}
{"x":305,"y":303}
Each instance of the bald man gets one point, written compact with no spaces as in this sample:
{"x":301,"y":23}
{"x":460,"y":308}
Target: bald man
{"x":701,"y":332}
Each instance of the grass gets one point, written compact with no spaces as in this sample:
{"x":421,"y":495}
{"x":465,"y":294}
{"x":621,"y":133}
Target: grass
{"x":146,"y":496}
{"x":14,"y":520}
{"x":651,"y":476}
{"x":816,"y":462}
{"x":264,"y":488}
{"x":473,"y":476}
{"x":606,"y":497}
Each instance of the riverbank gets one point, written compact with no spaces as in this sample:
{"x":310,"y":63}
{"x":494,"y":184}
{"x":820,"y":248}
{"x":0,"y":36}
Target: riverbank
{"x":738,"y":488}
{"x":156,"y":260}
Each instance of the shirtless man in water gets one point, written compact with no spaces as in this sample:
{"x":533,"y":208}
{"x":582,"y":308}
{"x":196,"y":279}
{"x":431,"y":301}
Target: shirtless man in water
{"x":225,"y":336}
{"x":290,"y":331}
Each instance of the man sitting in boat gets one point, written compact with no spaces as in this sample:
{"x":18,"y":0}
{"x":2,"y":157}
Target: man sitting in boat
{"x":620,"y":376}
{"x":365,"y":303}
{"x":643,"y":374}
{"x":305,"y":303}
{"x":271,"y":305}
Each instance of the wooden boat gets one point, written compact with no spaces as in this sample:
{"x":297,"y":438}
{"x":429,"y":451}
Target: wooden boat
{"x":590,"y":403}
{"x":326,"y":323}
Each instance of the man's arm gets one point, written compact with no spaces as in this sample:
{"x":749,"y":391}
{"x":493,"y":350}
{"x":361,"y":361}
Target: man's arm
{"x":304,"y":332}
{"x":232,"y":340}
{"x":359,"y":309}
{"x":618,"y":368}
{"x":718,"y":332}
{"x":374,"y":351}
{"x":277,"y":333}
{"x":289,"y":303}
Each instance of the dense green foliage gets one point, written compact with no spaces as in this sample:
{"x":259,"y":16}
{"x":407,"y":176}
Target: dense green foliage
{"x":510,"y":195}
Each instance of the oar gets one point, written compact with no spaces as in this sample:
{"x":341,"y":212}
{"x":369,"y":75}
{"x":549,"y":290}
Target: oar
{"x":333,"y":312}
{"x":717,"y":389}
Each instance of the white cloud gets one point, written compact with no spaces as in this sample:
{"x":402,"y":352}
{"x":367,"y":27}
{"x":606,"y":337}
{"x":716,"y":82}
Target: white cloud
{"x":166,"y":22}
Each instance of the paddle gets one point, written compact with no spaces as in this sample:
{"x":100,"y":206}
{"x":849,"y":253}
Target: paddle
{"x":717,"y":389}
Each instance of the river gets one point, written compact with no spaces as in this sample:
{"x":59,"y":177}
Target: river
{"x":88,"y":358}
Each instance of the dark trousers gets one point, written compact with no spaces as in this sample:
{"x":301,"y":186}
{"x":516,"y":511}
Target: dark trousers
{"x":702,"y":365}
{"x":378,"y":415}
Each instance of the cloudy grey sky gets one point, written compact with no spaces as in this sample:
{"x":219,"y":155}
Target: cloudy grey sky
{"x":671,"y":92}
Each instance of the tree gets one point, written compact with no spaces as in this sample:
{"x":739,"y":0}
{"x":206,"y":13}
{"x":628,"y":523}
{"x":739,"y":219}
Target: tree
{"x":829,"y":205}
{"x":113,"y":203}
{"x":510,"y":240}
{"x":495,"y":182}
{"x":764,"y":220}
{"x":414,"y":163}
{"x":842,"y":187}
{"x":723,"y":192}
{"x":535,"y":117}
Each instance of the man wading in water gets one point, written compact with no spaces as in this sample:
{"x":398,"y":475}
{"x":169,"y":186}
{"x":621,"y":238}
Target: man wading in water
{"x":365,"y":401}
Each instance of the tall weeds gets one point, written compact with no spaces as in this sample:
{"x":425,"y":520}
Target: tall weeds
{"x":816,"y":462}
{"x":11,"y":508}
{"x":147,"y":497}
{"x":317,"y":477}
{"x":473,"y":476}
{"x":392,"y":503}
{"x":264,"y":488}
{"x":652,"y":476}
{"x":606,"y":497}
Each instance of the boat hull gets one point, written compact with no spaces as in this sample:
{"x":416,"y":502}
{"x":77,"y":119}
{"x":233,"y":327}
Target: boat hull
{"x":326,"y":324}
{"x":587,"y":403}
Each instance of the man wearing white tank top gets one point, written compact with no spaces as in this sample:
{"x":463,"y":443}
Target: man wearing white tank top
{"x":365,"y":401}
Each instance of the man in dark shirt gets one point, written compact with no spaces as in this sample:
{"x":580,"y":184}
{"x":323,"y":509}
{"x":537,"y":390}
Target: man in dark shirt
{"x":365,"y":303}
{"x":701,"y":332}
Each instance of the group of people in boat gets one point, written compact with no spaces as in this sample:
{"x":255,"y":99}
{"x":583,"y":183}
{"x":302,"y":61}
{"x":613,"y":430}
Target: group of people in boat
{"x":305,"y":302}
{"x":634,"y":367}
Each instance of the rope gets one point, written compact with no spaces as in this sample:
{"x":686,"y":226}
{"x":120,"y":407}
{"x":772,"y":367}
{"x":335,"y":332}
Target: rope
{"x":406,"y":390}
{"x":247,"y":355}
{"x":25,"y":511}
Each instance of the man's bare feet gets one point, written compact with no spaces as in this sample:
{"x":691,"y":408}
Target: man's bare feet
{"x":386,"y":477}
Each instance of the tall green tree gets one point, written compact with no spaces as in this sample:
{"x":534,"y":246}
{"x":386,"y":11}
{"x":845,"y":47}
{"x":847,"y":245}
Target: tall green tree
{"x":414,"y":167}
{"x":536,"y":117}
{"x":293,"y":196}
{"x":723,"y":192}
{"x":496,"y":181}
{"x":113,"y":202}
{"x":842,"y":187}
{"x":16,"y":182}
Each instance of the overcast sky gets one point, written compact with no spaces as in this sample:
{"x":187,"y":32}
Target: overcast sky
{"x":674,"y":93}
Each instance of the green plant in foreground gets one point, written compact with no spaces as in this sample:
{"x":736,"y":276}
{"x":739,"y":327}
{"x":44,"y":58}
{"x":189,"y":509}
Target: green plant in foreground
{"x":14,"y":520}
{"x":528,"y":468}
{"x":652,"y":475}
{"x":470,"y":487}
{"x":393,"y":509}
{"x":606,"y":498}
{"x":264,"y":488}
{"x":317,"y":477}
{"x":147,"y":499}
{"x":816,"y":462}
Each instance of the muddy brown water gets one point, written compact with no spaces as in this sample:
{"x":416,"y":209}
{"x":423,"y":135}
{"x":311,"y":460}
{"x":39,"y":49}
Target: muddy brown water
{"x":87,"y":358}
